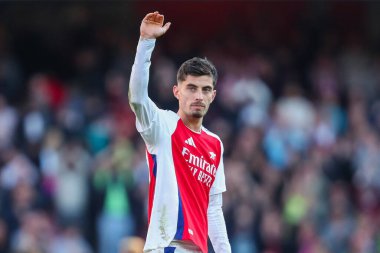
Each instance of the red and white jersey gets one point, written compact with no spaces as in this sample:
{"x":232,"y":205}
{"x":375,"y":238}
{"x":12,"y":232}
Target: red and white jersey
{"x":185,"y":168}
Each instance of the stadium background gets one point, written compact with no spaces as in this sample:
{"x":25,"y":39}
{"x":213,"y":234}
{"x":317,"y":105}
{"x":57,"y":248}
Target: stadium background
{"x":298,"y":110}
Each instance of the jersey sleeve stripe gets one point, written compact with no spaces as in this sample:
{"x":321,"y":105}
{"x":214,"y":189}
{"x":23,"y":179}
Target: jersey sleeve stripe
{"x":169,"y":249}
{"x":181,"y":220}
{"x":154,"y":157}
{"x":152,"y":182}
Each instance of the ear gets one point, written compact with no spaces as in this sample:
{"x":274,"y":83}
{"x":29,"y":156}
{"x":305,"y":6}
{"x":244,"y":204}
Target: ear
{"x":176,"y":91}
{"x":213,"y":95}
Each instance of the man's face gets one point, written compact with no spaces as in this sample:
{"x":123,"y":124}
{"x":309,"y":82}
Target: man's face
{"x":195,"y":95}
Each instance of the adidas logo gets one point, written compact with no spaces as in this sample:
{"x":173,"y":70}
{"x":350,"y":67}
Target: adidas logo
{"x":190,"y":142}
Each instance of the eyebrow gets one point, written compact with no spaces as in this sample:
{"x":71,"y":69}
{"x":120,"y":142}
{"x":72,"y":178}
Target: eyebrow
{"x":204,"y":87}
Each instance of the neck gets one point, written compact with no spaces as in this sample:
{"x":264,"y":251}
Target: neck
{"x":195,"y":124}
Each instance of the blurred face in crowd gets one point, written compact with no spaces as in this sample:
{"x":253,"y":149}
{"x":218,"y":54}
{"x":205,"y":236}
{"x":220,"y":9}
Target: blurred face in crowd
{"x":194,"y":95}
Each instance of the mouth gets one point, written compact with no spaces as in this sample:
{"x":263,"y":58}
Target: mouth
{"x":198,"y":105}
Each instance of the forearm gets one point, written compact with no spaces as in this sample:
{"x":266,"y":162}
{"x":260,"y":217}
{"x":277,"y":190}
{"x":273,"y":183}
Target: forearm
{"x":216,"y":225}
{"x":138,"y":84}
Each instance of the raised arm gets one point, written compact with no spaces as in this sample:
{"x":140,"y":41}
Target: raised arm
{"x":151,"y":28}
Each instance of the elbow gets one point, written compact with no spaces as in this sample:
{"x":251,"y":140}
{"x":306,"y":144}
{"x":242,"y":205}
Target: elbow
{"x":133,"y":98}
{"x":135,"y":103}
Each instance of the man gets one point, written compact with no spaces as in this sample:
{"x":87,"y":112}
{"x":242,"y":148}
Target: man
{"x":186,"y":177}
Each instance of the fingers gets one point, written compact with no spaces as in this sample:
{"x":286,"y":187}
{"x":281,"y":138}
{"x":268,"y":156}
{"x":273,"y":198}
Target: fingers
{"x":159,"y":19}
{"x":154,"y":17}
{"x":166,"y":26}
{"x":148,"y":17}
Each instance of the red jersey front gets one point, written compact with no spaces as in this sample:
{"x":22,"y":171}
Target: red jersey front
{"x":196,"y":159}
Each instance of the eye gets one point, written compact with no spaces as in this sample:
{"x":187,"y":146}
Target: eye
{"x":207,"y":89}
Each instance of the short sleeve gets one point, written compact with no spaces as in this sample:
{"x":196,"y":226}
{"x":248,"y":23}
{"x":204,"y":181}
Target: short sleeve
{"x":219,"y":184}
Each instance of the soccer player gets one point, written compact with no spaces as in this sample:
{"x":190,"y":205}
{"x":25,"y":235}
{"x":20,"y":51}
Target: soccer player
{"x":186,"y":173}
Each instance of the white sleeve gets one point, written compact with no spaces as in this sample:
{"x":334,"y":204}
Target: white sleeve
{"x":145,"y":110}
{"x":216,"y":225}
{"x":219,"y":184}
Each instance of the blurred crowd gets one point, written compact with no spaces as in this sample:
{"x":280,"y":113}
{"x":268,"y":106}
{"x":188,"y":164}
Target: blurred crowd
{"x":300,"y":123}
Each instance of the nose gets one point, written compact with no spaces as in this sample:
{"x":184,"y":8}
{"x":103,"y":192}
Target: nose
{"x":199,"y":95}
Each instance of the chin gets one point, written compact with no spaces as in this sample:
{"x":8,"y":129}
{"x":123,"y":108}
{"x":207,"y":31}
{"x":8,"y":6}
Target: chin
{"x":197,"y":115}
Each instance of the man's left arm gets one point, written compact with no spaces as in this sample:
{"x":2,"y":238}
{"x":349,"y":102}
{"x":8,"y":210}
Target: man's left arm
{"x":216,"y":225}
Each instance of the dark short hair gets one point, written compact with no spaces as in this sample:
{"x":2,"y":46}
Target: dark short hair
{"x":197,"y":67}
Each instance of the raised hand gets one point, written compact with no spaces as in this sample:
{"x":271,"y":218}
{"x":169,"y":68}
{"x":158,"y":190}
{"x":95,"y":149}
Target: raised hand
{"x":153,"y":26}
